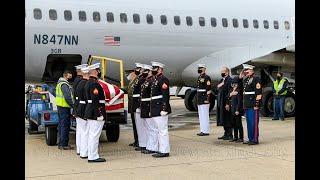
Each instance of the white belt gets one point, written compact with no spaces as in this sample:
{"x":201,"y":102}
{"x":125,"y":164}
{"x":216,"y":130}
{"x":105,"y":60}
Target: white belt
{"x":89,"y":101}
{"x":136,"y":95}
{"x":157,"y":97}
{"x":201,"y":90}
{"x":146,"y":99}
{"x":77,"y":98}
{"x":252,"y":92}
{"x":82,"y":102}
{"x":102,"y":101}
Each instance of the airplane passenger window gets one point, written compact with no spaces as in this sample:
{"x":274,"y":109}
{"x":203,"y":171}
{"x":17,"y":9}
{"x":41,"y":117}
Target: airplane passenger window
{"x":255,"y":23}
{"x":53,"y":14}
{"x":245,"y":23}
{"x":213,"y":22}
{"x":82,"y":16}
{"x":266,"y":24}
{"x":149,"y":19}
{"x":123,"y":18}
{"x":110,"y":17}
{"x":96,"y":16}
{"x":235,"y":23}
{"x":136,"y":18}
{"x":177,"y":20}
{"x":37,"y":13}
{"x":202,"y":21}
{"x":287,"y":25}
{"x":276,"y":24}
{"x":189,"y":20}
{"x":224,"y":22}
{"x":67,"y":15}
{"x":163,"y":19}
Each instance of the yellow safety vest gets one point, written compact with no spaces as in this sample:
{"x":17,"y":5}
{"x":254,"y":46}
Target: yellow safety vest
{"x":60,"y":100}
{"x":279,"y":86}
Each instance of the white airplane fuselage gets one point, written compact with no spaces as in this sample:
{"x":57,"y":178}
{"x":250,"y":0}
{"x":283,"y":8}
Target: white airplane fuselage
{"x":179,"y":47}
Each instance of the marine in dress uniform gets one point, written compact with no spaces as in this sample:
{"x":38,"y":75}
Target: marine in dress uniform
{"x":160,"y":108}
{"x":203,"y":96}
{"x":136,"y":108}
{"x":252,"y":95}
{"x":76,"y":102}
{"x":95,"y":112}
{"x":82,"y":133}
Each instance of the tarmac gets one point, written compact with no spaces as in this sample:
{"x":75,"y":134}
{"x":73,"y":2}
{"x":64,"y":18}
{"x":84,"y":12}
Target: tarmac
{"x":191,"y":156}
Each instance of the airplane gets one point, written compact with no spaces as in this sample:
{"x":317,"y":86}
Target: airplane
{"x":180,"y":34}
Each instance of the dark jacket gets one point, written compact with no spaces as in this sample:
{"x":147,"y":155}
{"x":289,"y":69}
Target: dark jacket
{"x":137,"y":91}
{"x":251,"y":85}
{"x":203,"y":89}
{"x":160,"y":86}
{"x":223,"y":116}
{"x":236,"y":101}
{"x":130,"y":92}
{"x":75,"y":84}
{"x":145,"y":96}
{"x":82,"y":98}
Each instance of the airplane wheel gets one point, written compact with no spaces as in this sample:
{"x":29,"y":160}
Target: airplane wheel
{"x":51,"y":135}
{"x":188,"y":100}
{"x":289,"y":105}
{"x":113,"y":132}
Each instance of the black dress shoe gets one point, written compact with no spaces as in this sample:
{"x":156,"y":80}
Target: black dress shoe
{"x":246,"y":142}
{"x":239,"y":140}
{"x":274,"y":119}
{"x":159,"y":155}
{"x":140,"y":148}
{"x":234,"y":139}
{"x":282,"y":119}
{"x":84,"y":157}
{"x":134,"y":144}
{"x":78,"y":154}
{"x":97,"y":160}
{"x":203,"y":134}
{"x":66,"y":147}
{"x":200,"y":134}
{"x":222,"y":137}
{"x":148,"y":151}
{"x":253,"y":143}
{"x":227,"y":138}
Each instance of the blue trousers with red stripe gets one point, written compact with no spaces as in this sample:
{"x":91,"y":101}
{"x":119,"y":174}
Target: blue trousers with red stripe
{"x":252,"y":117}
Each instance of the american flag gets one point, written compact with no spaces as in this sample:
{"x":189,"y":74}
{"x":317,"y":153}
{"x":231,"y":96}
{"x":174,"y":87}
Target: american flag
{"x":112,"y":40}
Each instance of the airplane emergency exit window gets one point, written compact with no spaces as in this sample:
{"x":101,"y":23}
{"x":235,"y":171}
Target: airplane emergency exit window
{"x":37,"y":13}
{"x":202,"y":21}
{"x":53,"y":14}
{"x":245,"y":23}
{"x":235,"y":23}
{"x":256,"y":24}
{"x":266,"y":24}
{"x":110,"y":17}
{"x":189,"y":20}
{"x":213,"y":22}
{"x":177,"y":20}
{"x":276,"y":24}
{"x":82,"y":16}
{"x":149,"y":19}
{"x":224,"y":22}
{"x":123,"y":18}
{"x":163,"y":19}
{"x":136,"y":18}
{"x":287,"y":25}
{"x":67,"y":15}
{"x":96,"y":16}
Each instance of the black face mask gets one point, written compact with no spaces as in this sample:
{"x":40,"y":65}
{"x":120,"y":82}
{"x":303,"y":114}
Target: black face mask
{"x":99,"y":74}
{"x":223,"y":74}
{"x":137,"y":72}
{"x":199,"y":71}
{"x":278,"y":77}
{"x":69,"y":80}
{"x":154,"y":73}
{"x":145,"y":75}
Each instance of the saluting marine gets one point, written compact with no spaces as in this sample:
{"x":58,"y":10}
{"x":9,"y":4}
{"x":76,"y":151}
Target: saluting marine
{"x":203,"y":97}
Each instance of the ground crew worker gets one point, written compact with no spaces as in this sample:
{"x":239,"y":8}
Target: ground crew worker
{"x":203,"y":96}
{"x":280,"y":91}
{"x":82,"y":123}
{"x":151,"y":128}
{"x":136,"y":108}
{"x":95,"y":112}
{"x":76,"y":101}
{"x":64,"y":102}
{"x":160,"y":108}
{"x":252,"y":95}
{"x":133,"y":77}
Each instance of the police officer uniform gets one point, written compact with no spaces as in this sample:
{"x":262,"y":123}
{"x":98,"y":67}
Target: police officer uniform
{"x":160,"y":108}
{"x":252,"y":93}
{"x":82,"y":123}
{"x":76,"y":103}
{"x":94,"y":113}
{"x":203,"y":96}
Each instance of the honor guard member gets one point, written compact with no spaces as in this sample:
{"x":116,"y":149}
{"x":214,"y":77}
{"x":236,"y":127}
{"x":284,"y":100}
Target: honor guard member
{"x":134,"y":78}
{"x":95,"y":112}
{"x":203,"y":96}
{"x":151,"y":128}
{"x":82,"y":124}
{"x":76,"y":102}
{"x":252,"y":95}
{"x":160,"y":108}
{"x":136,"y":108}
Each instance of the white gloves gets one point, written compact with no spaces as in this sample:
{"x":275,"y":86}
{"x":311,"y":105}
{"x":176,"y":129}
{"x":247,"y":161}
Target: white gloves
{"x":138,"y":110}
{"x":100,"y":118}
{"x":163,"y":113}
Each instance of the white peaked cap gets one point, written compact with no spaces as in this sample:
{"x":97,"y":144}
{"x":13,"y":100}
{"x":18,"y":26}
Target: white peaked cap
{"x":78,"y":67}
{"x":94,"y":66}
{"x":146,"y":66}
{"x":85,"y":69}
{"x":153,"y":63}
{"x":247,"y":66}
{"x":139,"y":65}
{"x":202,"y":66}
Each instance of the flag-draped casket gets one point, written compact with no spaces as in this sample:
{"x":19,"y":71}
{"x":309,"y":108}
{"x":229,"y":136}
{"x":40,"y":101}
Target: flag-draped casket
{"x":114,"y":96}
